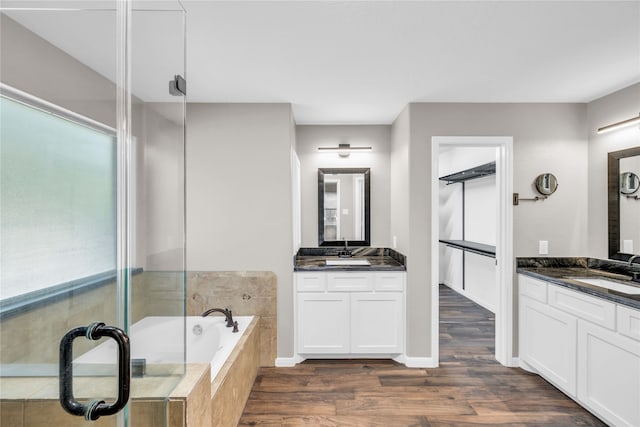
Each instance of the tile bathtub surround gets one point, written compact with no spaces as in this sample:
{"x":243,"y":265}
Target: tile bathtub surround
{"x":39,"y":340}
{"x":250,"y":293}
{"x":194,"y":402}
{"x":231,"y":388}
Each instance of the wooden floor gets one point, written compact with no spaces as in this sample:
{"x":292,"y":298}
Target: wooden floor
{"x":469,"y":387}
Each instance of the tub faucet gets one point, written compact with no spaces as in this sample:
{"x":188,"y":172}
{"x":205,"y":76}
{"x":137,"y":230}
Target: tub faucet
{"x":227,"y":315}
{"x":633,"y":258}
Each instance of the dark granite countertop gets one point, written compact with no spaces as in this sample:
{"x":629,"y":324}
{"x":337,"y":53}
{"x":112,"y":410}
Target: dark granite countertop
{"x":560,"y":271}
{"x":381,"y":259}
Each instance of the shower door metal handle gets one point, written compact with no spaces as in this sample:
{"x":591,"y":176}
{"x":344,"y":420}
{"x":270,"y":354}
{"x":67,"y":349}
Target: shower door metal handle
{"x":97,"y":408}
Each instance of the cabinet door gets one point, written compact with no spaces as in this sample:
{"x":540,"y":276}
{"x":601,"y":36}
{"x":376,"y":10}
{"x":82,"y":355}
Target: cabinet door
{"x":323,"y":323}
{"x":548,"y":343}
{"x":377,"y":323}
{"x":609,"y":373}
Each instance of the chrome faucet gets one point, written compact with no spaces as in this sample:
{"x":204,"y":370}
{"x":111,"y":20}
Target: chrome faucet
{"x":635,"y":275}
{"x":227,"y":315}
{"x":345,"y":253}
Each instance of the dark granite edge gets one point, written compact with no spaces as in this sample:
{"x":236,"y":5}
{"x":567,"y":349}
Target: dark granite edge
{"x":608,"y":265}
{"x":373,"y":268}
{"x":382,"y":259}
{"x":580,"y":288}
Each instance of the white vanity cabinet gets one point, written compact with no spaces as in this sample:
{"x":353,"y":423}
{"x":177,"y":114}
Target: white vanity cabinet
{"x":548,"y":342}
{"x":609,"y":372}
{"x":586,"y":346}
{"x":345,"y":313}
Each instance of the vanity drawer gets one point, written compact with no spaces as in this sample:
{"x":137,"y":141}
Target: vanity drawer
{"x":311,"y":282}
{"x":349,"y":281}
{"x":586,"y":307}
{"x":389,"y":281}
{"x":533,"y":288}
{"x":629,"y":322}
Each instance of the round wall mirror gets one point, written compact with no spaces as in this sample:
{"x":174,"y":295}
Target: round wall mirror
{"x":546,"y":184}
{"x":629,"y":183}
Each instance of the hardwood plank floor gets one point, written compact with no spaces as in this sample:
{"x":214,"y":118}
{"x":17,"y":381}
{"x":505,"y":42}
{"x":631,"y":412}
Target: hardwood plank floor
{"x":469,"y":387}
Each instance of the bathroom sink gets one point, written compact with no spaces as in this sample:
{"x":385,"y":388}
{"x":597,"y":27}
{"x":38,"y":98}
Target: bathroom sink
{"x":609,"y":284}
{"x":347,"y":261}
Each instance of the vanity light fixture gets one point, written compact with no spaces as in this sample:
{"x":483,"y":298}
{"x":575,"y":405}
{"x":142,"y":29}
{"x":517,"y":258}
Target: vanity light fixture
{"x":344,"y":150}
{"x":619,"y":125}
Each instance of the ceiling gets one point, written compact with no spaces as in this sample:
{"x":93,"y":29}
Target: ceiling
{"x":362,"y":62}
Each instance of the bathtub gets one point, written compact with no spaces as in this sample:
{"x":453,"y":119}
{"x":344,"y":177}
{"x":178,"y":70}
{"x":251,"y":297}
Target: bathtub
{"x":159,"y":340}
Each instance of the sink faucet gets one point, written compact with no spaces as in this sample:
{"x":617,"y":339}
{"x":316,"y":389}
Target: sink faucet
{"x":635,"y":275}
{"x":345,"y":253}
{"x":227,"y":315}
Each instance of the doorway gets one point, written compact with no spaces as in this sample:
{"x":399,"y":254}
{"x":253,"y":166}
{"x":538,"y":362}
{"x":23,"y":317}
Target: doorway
{"x":503,"y":147}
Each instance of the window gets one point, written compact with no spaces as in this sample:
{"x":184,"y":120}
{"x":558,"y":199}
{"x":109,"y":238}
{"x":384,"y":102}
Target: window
{"x":58,"y":199}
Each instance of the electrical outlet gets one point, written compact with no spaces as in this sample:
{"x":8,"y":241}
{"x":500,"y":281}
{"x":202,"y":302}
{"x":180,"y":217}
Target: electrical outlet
{"x":543,"y":247}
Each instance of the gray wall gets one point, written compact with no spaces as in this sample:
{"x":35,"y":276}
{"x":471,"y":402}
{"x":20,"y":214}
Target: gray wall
{"x":157,"y":127}
{"x":620,"y":105}
{"x":239,"y":201}
{"x":309,"y":138}
{"x":545,"y":137}
{"x":34,"y":65}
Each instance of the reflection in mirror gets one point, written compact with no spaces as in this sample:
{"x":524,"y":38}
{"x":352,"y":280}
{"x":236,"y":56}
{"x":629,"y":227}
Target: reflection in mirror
{"x":343,"y":207}
{"x":624,"y":208}
{"x":546,"y":184}
{"x":629,"y":183}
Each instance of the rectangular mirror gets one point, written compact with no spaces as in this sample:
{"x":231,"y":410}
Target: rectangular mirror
{"x":343,"y":207}
{"x":624,"y":204}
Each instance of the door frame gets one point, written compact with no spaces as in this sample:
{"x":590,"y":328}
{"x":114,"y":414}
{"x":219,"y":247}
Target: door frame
{"x":504,"y":331}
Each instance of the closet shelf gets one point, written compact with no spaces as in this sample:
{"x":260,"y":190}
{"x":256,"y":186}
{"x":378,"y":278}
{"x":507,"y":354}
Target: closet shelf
{"x":475,"y":247}
{"x":473,"y":173}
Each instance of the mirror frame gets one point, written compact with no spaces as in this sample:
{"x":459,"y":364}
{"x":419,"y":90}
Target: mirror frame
{"x":613,"y":189}
{"x":367,"y":204}
{"x":541,"y":189}
{"x":628,"y":191}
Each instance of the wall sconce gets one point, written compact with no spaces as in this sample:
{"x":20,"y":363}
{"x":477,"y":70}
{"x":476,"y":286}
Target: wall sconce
{"x":619,"y":125}
{"x":546,"y":184}
{"x":344,"y":150}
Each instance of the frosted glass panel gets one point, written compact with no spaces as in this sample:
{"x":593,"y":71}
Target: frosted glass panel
{"x":58,"y":190}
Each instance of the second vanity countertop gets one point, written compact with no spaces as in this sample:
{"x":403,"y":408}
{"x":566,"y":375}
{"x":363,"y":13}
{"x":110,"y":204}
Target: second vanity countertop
{"x":380,"y":259}
{"x":562,"y":271}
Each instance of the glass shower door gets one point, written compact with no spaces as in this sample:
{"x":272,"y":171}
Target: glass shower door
{"x":75,"y":153}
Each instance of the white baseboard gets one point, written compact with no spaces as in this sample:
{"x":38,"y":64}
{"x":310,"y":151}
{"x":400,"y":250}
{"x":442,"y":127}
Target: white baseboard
{"x":288,"y":362}
{"x":417,"y":362}
{"x":514,"y":362}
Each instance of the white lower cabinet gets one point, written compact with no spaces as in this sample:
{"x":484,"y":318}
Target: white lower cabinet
{"x":548,"y":343}
{"x":323,"y":323}
{"x":585,"y":346}
{"x":363,"y":317}
{"x":609,"y":372}
{"x":376,"y":322}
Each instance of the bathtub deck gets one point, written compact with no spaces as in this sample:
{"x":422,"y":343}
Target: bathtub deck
{"x":468,"y":387}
